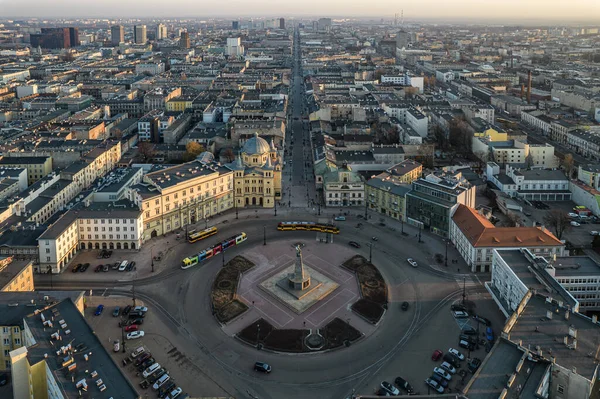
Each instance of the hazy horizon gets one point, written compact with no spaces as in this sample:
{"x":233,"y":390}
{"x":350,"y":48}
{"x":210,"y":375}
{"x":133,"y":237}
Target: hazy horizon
{"x":508,"y":11}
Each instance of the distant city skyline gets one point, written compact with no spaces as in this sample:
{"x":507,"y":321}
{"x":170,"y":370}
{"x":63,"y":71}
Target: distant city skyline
{"x":507,"y":11}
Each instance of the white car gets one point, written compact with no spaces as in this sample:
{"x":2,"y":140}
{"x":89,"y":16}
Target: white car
{"x":142,"y":309}
{"x":412,"y":262}
{"x":448,"y":367}
{"x":433,"y":384}
{"x":442,"y":372}
{"x":116,"y":346}
{"x":389,"y":388}
{"x":573,"y":215}
{"x":459,"y":314}
{"x":594,"y":232}
{"x":135,"y":335}
{"x":174,"y":393}
{"x":575,"y":224}
{"x":456,"y":354}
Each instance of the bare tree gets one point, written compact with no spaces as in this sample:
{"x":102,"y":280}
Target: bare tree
{"x":425,"y":155}
{"x":228,"y":154}
{"x":460,"y":135}
{"x":512,"y":219}
{"x":528,"y":161}
{"x":146,"y":150}
{"x":568,"y":163}
{"x":558,"y":220}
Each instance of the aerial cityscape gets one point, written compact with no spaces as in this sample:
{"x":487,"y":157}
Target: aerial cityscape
{"x":334,"y":200}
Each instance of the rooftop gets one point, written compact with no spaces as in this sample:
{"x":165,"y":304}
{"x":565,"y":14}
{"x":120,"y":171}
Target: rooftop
{"x":11,"y":270}
{"x":176,"y":174}
{"x":575,"y":266}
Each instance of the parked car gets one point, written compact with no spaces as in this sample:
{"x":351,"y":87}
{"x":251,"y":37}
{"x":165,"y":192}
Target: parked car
{"x":166,"y":388}
{"x":460,"y":314}
{"x":489,"y":334}
{"x":434,"y":385}
{"x":448,"y":367}
{"x":262,"y":367}
{"x":151,"y":370}
{"x":131,"y":328}
{"x":116,"y":265}
{"x":456,"y":354}
{"x":142,"y":309}
{"x":474,"y":364}
{"x":439,"y":379}
{"x":412,"y":262}
{"x":437,"y":354}
{"x":142,"y":358}
{"x":4,"y":379}
{"x":130,"y":266}
{"x":374,"y":238}
{"x":482,"y":319}
{"x":573,"y":215}
{"x":594,"y":233}
{"x":126,"y":310}
{"x":403,"y":384}
{"x":442,"y":372}
{"x":174,"y":393}
{"x":135,"y":335}
{"x":98,"y":268}
{"x":99,"y":310}
{"x":116,"y":312}
{"x":135,"y":315}
{"x":136,"y":321}
{"x":404,"y":305}
{"x":468,"y":330}
{"x":84,"y":267}
{"x":466,"y":345}
{"x":339,"y":218}
{"x":105,"y":268}
{"x":354,"y":244}
{"x":458,"y":307}
{"x":389,"y":388}
{"x":146,"y":363}
{"x":152,"y":379}
{"x":138,"y":351}
{"x":575,"y":224}
{"x":76,"y":268}
{"x":468,"y":338}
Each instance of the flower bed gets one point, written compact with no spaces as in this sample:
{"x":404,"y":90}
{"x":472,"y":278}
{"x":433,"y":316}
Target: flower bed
{"x":251,"y":332}
{"x":286,"y":340}
{"x":337,"y":331}
{"x":226,"y":307}
{"x":369,"y":310}
{"x":372,"y":288}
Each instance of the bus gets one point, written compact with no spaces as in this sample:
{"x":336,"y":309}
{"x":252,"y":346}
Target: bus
{"x":214,"y":250}
{"x":308,"y":226}
{"x":194,"y":236}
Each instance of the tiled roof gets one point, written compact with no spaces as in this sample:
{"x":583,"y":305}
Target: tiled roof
{"x":482,"y":233}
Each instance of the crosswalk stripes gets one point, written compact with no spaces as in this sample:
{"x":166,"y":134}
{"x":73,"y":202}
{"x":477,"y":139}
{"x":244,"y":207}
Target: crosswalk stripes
{"x":467,"y":281}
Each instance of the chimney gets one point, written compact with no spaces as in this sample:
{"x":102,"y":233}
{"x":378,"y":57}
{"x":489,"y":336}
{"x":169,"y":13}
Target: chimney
{"x":529,"y":87}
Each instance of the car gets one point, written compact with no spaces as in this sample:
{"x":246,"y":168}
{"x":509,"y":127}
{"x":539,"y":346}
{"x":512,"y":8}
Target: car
{"x":573,"y":215}
{"x":442,"y":372}
{"x":434,"y":385}
{"x":468,"y":330}
{"x":135,"y":335}
{"x":262,"y":367}
{"x":437,"y":354}
{"x":146,"y":363}
{"x":439,"y":379}
{"x":76,"y":268}
{"x":106,"y":268}
{"x":151,"y":370}
{"x":174,"y":393}
{"x":136,"y":315}
{"x":575,"y":224}
{"x":483,"y":320}
{"x":594,"y":233}
{"x":470,"y":339}
{"x":131,"y":328}
{"x":137,"y":352}
{"x":451,"y":359}
{"x":126,"y":310}
{"x":448,"y":367}
{"x":412,"y":262}
{"x":141,"y":358}
{"x":101,"y":253}
{"x":99,"y":310}
{"x":152,"y":379}
{"x":166,"y":388}
{"x":142,"y":309}
{"x":116,"y":346}
{"x":474,"y":364}
{"x":460,"y":314}
{"x":404,"y":305}
{"x":84,"y":267}
{"x":354,"y":244}
{"x":123,"y":266}
{"x":339,"y":218}
{"x":466,"y":345}
{"x":116,"y":265}
{"x":4,"y":379}
{"x":403,"y":384}
{"x":117,"y":311}
{"x":489,"y":334}
{"x":456,"y":354}
{"x":458,"y":307}
{"x":136,"y":321}
{"x":98,"y":268}
{"x":382,"y":392}
{"x":389,"y":388}
{"x":374,"y":238}
{"x":527,"y":213}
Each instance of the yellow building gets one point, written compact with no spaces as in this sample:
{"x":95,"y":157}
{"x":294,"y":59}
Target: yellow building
{"x":492,"y":134}
{"x":257,"y":174}
{"x":37,"y":167}
{"x":184,"y":194}
{"x":406,"y":171}
{"x":15,"y":276}
{"x":180,"y":104}
{"x":387,"y":195}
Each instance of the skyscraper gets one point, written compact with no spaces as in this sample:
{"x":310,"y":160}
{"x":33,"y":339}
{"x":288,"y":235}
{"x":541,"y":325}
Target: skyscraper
{"x":234,"y":46}
{"x":74,"y":37}
{"x":51,"y":38}
{"x":117,"y":34}
{"x":139,"y":34}
{"x":235,"y":25}
{"x":402,"y":39}
{"x":184,"y":40}
{"x":161,"y":32}
{"x":281,"y":23}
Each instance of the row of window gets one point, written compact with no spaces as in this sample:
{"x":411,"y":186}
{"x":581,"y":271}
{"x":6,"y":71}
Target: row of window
{"x":109,"y":229}
{"x":7,"y":341}
{"x":577,"y":280}
{"x":103,"y":221}
{"x":6,"y":330}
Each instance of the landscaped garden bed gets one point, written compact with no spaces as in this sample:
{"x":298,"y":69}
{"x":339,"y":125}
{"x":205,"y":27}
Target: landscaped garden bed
{"x":224,"y":303}
{"x":261,"y":331}
{"x":372,"y":288}
{"x":337,"y":331}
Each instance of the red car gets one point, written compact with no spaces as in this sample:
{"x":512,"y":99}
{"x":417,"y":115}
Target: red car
{"x":437,"y":355}
{"x":132,"y":327}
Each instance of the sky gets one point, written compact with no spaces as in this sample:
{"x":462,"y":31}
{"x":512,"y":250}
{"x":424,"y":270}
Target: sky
{"x":505,"y":10}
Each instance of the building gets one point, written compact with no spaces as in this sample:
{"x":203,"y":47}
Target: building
{"x":386,"y":194}
{"x":534,"y":184}
{"x":50,"y":364}
{"x":74,"y":37}
{"x":150,"y":68}
{"x":102,"y":225}
{"x":15,"y":276}
{"x":235,"y":25}
{"x":183,"y":195}
{"x":37,"y":167}
{"x":342,"y":187}
{"x":234,"y":47}
{"x":402,"y":39}
{"x":589,"y":175}
{"x":139,"y":34}
{"x":12,"y":181}
{"x":281,"y":23}
{"x":161,"y":32}
{"x":433,"y":199}
{"x":117,"y":35}
{"x":152,"y":125}
{"x":476,"y":238}
{"x":51,"y":38}
{"x":184,"y":40}
{"x":257,"y":174}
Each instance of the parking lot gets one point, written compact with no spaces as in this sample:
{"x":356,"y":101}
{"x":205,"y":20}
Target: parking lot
{"x":106,"y":325}
{"x":442,"y":332}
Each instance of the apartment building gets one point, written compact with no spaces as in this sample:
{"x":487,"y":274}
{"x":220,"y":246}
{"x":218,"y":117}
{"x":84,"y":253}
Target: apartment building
{"x":181,"y":195}
{"x":534,"y":184}
{"x":37,"y":167}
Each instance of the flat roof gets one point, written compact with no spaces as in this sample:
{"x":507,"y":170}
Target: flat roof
{"x":15,"y":306}
{"x":176,"y":174}
{"x":23,"y":160}
{"x":83,"y":341}
{"x":575,"y":266}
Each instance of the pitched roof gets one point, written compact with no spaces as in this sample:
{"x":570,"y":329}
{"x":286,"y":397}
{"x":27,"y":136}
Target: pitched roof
{"x":482,"y":233}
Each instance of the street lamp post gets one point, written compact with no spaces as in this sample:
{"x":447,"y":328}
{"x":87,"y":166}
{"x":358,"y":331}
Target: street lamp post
{"x":446,"y":261}
{"x":205,"y":223}
{"x":152,"y":257}
{"x":420,"y":228}
{"x":366,"y":206}
{"x":370,"y":252}
{"x":264,"y":235}
{"x":236,"y":210}
{"x":223,"y":257}
{"x":275,"y":207}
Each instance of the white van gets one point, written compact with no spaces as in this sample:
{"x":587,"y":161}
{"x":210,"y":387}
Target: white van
{"x":161,"y":381}
{"x":137,"y":352}
{"x":123,"y":266}
{"x":151,"y":370}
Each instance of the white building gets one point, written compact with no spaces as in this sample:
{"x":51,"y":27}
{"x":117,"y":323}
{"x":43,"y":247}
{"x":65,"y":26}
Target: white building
{"x":534,"y":184}
{"x":417,"y":121}
{"x":152,"y":68}
{"x":404,"y":80}
{"x":234,"y":46}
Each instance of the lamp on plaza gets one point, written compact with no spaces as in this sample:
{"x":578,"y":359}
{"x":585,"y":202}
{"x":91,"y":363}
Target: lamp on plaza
{"x":264,"y":235}
{"x":370,"y":252}
{"x":236,"y":210}
{"x":152,"y":257}
{"x":275,"y":206}
{"x":420,"y":228}
{"x":205,"y":223}
{"x":223,"y":257}
{"x":446,"y":261}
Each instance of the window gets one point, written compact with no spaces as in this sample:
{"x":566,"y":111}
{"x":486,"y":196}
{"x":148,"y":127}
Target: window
{"x":17,"y":341}
{"x":47,"y":259}
{"x":561,"y":388}
{"x":6,"y":341}
{"x":5,"y":330}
